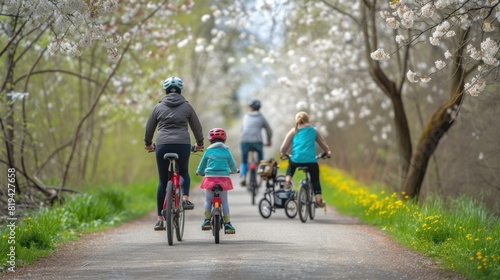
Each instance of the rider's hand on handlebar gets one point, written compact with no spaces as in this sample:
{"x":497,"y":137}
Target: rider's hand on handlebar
{"x":196,"y":148}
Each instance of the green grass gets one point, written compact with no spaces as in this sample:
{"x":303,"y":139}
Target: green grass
{"x":39,"y":233}
{"x":460,"y":233}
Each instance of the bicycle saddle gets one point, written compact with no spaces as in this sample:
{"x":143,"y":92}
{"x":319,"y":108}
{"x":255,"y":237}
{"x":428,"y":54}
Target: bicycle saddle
{"x":217,"y":188}
{"x":303,"y":168}
{"x":170,"y":156}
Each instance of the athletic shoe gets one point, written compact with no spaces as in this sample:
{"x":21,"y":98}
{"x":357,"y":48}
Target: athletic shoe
{"x":159,"y":225}
{"x":229,"y":229}
{"x":187,"y":205}
{"x":206,"y":225}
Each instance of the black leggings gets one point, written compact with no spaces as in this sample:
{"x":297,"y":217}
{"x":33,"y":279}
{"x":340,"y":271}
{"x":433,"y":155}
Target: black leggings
{"x":184,"y":151}
{"x":313,"y":170}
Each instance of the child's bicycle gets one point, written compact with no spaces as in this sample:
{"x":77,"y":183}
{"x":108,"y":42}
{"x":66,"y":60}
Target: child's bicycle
{"x":275,"y":198}
{"x":216,"y":218}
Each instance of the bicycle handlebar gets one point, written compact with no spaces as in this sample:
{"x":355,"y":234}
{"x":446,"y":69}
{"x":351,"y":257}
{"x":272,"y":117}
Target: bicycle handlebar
{"x":193,"y":149}
{"x":322,"y":155}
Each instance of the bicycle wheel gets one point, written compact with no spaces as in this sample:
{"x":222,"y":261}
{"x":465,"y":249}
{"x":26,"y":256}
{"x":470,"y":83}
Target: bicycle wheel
{"x":291,"y":208}
{"x":265,"y":208}
{"x":179,"y":228}
{"x":312,"y":203}
{"x":169,"y":217}
{"x":216,"y":228}
{"x":302,"y":201}
{"x":253,"y":184}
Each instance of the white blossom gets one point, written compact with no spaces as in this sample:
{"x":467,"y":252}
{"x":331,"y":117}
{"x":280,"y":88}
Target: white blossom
{"x":205,"y":18}
{"x":412,"y":77}
{"x":379,"y":55}
{"x":425,"y":79}
{"x":489,"y":49}
{"x":447,"y":54}
{"x":434,"y":41}
{"x":427,"y":10}
{"x":392,"y":23}
{"x":475,"y":86}
{"x":440,"y":64}
{"x":400,"y":39}
{"x":488,"y":27}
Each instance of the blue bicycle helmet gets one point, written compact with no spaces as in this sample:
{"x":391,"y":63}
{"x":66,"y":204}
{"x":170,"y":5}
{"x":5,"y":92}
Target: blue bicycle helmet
{"x":255,"y":104}
{"x":172,"y":84}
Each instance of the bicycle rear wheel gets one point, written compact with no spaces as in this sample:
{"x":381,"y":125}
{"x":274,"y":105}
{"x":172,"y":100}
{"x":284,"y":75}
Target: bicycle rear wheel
{"x":312,"y":203}
{"x":179,"y":223}
{"x":253,"y":184}
{"x":302,"y":201}
{"x":168,"y":213}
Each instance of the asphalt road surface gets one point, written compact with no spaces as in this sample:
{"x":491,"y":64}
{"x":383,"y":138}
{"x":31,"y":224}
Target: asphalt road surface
{"x":331,"y":246}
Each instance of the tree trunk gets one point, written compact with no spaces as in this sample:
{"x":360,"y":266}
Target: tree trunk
{"x":438,"y":125}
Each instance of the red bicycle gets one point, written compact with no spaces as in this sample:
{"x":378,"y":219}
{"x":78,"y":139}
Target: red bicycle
{"x":173,"y":212}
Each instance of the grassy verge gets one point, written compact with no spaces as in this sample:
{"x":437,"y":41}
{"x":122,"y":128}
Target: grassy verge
{"x":459,"y":233}
{"x":36,"y":235}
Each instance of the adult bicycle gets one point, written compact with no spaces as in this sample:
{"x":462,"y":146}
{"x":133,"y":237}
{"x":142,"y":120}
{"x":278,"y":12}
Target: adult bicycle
{"x":253,"y":181}
{"x":173,"y":209}
{"x":306,"y":201}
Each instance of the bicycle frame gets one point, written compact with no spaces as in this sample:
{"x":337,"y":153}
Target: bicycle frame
{"x":175,"y":179}
{"x":173,"y":212}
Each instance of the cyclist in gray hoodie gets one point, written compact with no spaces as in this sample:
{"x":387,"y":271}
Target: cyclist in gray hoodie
{"x":173,"y":116}
{"x":251,"y":136}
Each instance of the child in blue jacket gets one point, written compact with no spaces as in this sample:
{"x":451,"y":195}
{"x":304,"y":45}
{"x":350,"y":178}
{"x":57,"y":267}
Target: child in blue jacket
{"x":216,"y":165}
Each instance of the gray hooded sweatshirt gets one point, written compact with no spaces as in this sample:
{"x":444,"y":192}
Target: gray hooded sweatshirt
{"x":251,"y":129}
{"x":172,"y":116}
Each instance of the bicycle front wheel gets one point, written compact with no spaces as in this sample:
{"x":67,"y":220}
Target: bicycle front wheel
{"x":179,"y":227}
{"x":168,"y":213}
{"x":302,"y":201}
{"x":312,"y":203}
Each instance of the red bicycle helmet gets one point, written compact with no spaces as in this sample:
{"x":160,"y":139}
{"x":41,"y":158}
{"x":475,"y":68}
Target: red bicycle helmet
{"x":217,"y":133}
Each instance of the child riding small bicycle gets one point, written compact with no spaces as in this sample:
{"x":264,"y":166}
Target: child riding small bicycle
{"x":216,"y":165}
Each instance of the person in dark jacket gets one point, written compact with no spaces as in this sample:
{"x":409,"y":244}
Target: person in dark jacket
{"x":173,"y":116}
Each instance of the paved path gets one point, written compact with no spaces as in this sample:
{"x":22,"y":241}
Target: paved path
{"x":330,"y":247}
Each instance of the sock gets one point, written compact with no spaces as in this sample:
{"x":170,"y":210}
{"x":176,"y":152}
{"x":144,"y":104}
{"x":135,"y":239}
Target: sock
{"x":226,"y":219}
{"x":207,"y":214}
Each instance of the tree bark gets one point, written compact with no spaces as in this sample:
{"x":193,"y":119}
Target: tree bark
{"x":438,"y":125}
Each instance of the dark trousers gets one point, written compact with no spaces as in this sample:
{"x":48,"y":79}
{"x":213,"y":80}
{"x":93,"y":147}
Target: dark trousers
{"x":184,"y":151}
{"x":313,"y":171}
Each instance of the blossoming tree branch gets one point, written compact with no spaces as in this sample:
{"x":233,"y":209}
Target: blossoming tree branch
{"x":455,"y":28}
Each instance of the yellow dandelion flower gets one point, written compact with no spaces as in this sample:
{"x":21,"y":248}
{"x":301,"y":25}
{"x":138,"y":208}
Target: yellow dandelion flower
{"x":479,"y":267}
{"x":489,"y":238}
{"x":471,"y":258}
